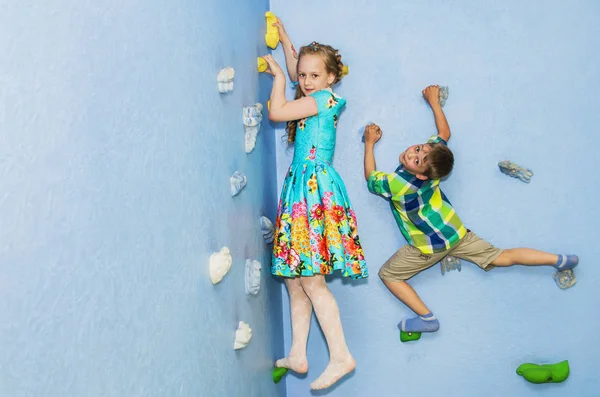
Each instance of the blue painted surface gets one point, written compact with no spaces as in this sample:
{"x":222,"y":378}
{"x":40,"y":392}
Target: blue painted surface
{"x":523,"y":81}
{"x":115,"y":156}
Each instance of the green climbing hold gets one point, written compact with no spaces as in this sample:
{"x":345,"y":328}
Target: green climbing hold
{"x":546,"y":373}
{"x":409,"y":336}
{"x":279,"y":373}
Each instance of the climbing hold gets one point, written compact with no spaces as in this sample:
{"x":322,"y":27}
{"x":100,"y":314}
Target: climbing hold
{"x":565,"y":279}
{"x":546,"y":373}
{"x":262,"y":64}
{"x":345,"y":70}
{"x":219,"y":265}
{"x":516,"y":171}
{"x":443,"y":95}
{"x":252,"y":117}
{"x":450,"y":263}
{"x":409,"y":336}
{"x":238,"y":182}
{"x":225,"y":80}
{"x":243,"y":334}
{"x":272,"y":33}
{"x":252,"y":276}
{"x":267,"y":229}
{"x":279,"y":373}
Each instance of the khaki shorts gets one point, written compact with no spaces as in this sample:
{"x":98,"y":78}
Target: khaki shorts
{"x":408,"y":260}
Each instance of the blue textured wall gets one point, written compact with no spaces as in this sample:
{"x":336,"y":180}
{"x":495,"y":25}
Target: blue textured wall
{"x":115,"y":156}
{"x":524,"y":86}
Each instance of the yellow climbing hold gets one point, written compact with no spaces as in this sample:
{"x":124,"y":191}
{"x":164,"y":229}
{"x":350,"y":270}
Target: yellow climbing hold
{"x":272,"y":33}
{"x":345,"y":70}
{"x":262,"y":64}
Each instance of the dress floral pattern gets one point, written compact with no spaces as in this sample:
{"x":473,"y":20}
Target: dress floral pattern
{"x":316,"y":229}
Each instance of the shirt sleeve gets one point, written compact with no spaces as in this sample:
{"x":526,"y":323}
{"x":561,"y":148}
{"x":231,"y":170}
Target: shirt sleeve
{"x":437,"y":139}
{"x":387,"y":185}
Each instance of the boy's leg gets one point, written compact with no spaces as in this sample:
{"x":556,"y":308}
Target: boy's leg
{"x":404,"y":264}
{"x":476,"y":250}
{"x":300,"y":313}
{"x":531,"y":257}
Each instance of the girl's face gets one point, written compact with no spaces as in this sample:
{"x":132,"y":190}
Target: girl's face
{"x":312,"y":74}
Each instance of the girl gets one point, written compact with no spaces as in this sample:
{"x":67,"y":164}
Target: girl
{"x":315,"y":231}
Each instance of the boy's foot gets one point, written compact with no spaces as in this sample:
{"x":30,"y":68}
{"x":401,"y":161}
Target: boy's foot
{"x":335,"y":371}
{"x":296,"y":364}
{"x":566,"y":262}
{"x":425,"y":323}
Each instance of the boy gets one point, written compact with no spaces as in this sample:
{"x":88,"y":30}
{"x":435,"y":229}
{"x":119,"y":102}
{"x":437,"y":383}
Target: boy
{"x":428,"y":221}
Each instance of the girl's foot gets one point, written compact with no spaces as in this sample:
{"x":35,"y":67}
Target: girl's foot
{"x":335,"y":371}
{"x":296,"y":364}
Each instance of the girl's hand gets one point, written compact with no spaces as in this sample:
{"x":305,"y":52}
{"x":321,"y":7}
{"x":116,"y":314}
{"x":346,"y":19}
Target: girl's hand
{"x":282,"y":33}
{"x":274,"y":68}
{"x":432,"y":95}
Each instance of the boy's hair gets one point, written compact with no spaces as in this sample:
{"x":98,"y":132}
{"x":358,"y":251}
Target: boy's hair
{"x":333,"y":64}
{"x":440,"y":161}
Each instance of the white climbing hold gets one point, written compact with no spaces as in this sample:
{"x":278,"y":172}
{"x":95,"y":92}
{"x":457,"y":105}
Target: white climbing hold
{"x":242,"y":336}
{"x":225,"y":80}
{"x":238,"y":182}
{"x":252,"y":276}
{"x":220,"y":263}
{"x":252,"y":118}
{"x":267,"y":229}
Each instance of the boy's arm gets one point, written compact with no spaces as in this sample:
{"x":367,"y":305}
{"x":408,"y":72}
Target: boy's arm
{"x":291,"y":57}
{"x":372,"y":135}
{"x":432,"y":96}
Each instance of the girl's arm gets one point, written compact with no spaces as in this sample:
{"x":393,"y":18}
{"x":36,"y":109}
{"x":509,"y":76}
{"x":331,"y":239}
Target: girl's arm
{"x":291,"y":57}
{"x":280,"y":109}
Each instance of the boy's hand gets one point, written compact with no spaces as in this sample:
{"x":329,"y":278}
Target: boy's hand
{"x":372,"y":134}
{"x":432,"y":95}
{"x":274,"y":68}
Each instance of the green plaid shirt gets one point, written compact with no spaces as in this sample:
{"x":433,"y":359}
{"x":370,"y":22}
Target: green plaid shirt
{"x":422,"y":211}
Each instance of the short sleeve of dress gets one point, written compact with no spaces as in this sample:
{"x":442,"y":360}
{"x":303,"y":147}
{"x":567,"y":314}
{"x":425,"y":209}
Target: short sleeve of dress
{"x":328,"y":101}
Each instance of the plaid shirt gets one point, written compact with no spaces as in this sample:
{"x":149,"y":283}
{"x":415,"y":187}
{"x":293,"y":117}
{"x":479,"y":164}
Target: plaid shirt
{"x":422,"y":211}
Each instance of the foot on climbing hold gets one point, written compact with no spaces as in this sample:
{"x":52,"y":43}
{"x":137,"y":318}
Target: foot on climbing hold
{"x":566,"y":262}
{"x":279,"y":373}
{"x":546,"y":373}
{"x":426,"y":323}
{"x":409,"y":336}
{"x":272,"y":34}
{"x":262,"y":64}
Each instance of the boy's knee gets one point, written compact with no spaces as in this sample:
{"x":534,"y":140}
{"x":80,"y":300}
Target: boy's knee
{"x":384,"y":275}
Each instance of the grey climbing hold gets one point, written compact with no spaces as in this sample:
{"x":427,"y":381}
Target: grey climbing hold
{"x":443,"y":95}
{"x":565,"y":279}
{"x":238,"y":182}
{"x":516,"y":171}
{"x":450,"y":263}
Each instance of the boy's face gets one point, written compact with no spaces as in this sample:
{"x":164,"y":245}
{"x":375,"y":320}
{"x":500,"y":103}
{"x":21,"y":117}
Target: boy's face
{"x":414,"y":159}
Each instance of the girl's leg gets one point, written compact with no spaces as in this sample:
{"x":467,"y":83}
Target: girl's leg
{"x":341,"y":361}
{"x":300,"y":313}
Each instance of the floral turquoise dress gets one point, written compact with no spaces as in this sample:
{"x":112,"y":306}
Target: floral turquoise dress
{"x":316,"y":230}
